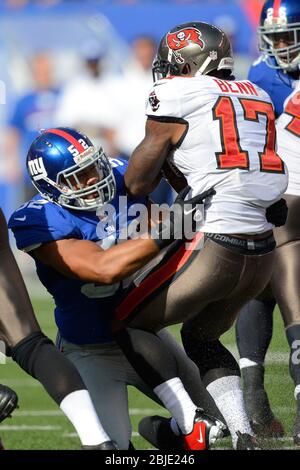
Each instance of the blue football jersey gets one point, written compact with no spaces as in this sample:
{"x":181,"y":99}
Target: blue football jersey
{"x":278,"y":84}
{"x":83,"y":311}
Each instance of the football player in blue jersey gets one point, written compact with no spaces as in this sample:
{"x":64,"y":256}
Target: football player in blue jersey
{"x":277,"y":71}
{"x":37,"y":355}
{"x":79,"y":261}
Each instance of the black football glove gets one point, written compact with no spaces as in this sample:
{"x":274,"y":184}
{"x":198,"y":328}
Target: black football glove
{"x":277,"y":213}
{"x":182,"y":219}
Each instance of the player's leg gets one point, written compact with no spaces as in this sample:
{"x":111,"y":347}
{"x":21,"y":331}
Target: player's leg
{"x":189,"y":293}
{"x":106,"y":373}
{"x":36,"y":354}
{"x":219,"y":371}
{"x":285,"y":285}
{"x":157,"y":429}
{"x":218,"y":368}
{"x":189,"y":374}
{"x":285,"y":282}
{"x":150,"y":356}
{"x":253,"y":333}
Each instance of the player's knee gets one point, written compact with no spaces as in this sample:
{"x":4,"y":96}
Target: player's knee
{"x":212,"y":358}
{"x":27,"y":350}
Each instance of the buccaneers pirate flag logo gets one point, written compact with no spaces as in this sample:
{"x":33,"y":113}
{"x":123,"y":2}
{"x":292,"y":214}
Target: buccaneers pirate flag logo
{"x":183,"y":38}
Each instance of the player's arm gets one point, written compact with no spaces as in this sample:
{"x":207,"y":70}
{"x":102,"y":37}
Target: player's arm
{"x":85,"y":260}
{"x":144,"y":168}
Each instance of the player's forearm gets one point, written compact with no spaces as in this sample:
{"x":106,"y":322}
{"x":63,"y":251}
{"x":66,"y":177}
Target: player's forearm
{"x":84,"y":260}
{"x":121,"y":261}
{"x":143,"y":171}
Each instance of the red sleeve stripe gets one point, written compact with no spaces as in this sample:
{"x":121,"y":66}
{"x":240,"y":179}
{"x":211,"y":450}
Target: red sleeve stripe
{"x":276,"y":7}
{"x":156,"y":279}
{"x":68,"y":137}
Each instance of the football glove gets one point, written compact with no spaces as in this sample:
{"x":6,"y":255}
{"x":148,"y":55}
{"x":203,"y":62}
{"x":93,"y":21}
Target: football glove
{"x":181,"y":222}
{"x":277,"y":213}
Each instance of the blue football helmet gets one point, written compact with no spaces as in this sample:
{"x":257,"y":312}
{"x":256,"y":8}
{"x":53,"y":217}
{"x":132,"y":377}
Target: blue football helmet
{"x":280,"y":23}
{"x":67,"y":169}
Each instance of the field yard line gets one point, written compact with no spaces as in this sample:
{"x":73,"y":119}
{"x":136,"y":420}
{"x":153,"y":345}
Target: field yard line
{"x":25,"y":413}
{"x":132,"y":411}
{"x":24,"y":427}
{"x":72,"y":435}
{"x":280,"y":357}
{"x":273,"y":357}
{"x":284,"y":409}
{"x":20,"y":382}
{"x":49,"y":413}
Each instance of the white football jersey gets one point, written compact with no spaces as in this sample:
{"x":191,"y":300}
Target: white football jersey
{"x":288,"y":136}
{"x":229,"y":145}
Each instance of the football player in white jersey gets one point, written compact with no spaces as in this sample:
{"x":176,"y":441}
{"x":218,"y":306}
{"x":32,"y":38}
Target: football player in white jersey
{"x":219,"y":133}
{"x":277,"y":72}
{"x":284,"y":284}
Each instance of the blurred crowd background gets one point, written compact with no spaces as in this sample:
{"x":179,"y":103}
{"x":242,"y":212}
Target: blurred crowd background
{"x":87,"y":64}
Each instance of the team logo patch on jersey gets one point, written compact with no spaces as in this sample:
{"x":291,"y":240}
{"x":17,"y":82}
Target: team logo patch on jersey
{"x":183,"y":38}
{"x":154,"y":101}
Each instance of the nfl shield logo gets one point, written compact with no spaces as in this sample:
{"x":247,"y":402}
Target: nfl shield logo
{"x":213,"y":55}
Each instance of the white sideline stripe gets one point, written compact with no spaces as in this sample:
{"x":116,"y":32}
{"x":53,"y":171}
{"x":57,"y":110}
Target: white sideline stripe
{"x":20,"y":382}
{"x":37,"y":413}
{"x":136,"y":434}
{"x":278,"y":357}
{"x":72,"y":435}
{"x":24,"y":427}
{"x":53,"y":413}
{"x":132,"y":411}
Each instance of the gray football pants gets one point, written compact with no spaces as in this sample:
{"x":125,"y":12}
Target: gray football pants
{"x":107,"y":374}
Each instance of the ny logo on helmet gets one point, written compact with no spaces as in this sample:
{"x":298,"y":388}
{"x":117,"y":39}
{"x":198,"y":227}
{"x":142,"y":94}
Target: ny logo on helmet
{"x":37,"y":168}
{"x":276,"y":16}
{"x":183,"y":38}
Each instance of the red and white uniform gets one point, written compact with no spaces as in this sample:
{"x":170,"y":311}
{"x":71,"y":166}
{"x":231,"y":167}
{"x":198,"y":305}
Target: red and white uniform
{"x":229,"y":145}
{"x":288,"y":135}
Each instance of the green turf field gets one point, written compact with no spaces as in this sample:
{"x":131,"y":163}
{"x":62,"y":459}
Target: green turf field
{"x":39,"y":424}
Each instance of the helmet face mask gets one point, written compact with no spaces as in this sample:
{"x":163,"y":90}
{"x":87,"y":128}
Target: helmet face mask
{"x":87,"y":196}
{"x":191,"y":49}
{"x":279,"y":35}
{"x":76,"y":179}
{"x":162,"y":69}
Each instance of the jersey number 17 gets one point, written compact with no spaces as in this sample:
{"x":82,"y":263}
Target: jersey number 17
{"x":232,"y":155}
